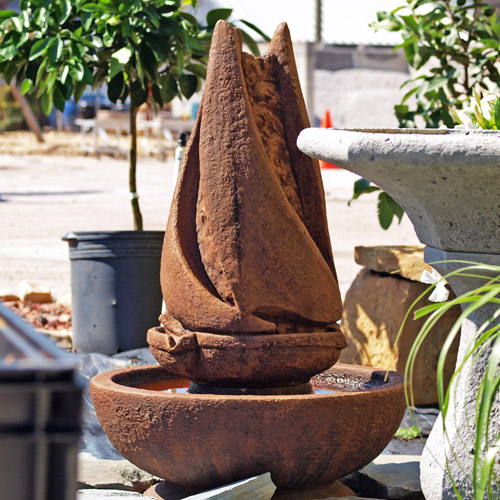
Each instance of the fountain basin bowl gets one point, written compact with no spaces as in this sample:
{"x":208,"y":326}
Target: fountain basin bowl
{"x":197,"y":442}
{"x":446,"y":180}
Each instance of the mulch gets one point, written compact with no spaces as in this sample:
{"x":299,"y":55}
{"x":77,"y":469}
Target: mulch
{"x":49,"y":316}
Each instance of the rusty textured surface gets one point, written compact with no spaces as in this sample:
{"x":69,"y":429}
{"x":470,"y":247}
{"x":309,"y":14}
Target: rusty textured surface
{"x":203,"y":441}
{"x":247,"y":360}
{"x":247,"y":249}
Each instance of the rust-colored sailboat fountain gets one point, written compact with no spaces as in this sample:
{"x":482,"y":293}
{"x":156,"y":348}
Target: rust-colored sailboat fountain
{"x":253,"y":302}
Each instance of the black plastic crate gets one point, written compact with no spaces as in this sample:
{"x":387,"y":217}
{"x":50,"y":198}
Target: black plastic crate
{"x":39,"y":415}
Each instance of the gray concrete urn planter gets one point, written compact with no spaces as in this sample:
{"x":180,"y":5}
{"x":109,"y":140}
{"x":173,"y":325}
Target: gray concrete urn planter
{"x":448,"y":183}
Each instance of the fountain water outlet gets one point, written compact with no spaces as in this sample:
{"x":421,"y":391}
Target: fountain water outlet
{"x":447,"y":182}
{"x":251,"y":291}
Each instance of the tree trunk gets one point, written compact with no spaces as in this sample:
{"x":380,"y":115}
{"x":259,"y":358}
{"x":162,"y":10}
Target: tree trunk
{"x":132,"y":179}
{"x":27,"y":112}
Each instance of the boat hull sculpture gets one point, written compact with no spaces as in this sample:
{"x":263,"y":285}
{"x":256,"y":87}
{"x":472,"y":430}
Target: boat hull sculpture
{"x":247,"y":266}
{"x":252,"y":300}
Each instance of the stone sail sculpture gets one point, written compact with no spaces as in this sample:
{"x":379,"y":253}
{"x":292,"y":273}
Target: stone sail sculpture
{"x":247,"y":268}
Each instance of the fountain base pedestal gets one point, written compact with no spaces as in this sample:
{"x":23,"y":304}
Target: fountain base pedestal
{"x":202,"y":441}
{"x":163,"y":491}
{"x":450,"y":453}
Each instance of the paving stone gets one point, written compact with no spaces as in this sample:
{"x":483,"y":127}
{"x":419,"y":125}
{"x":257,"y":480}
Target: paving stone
{"x":113,"y":474}
{"x":255,"y":488}
{"x":407,"y":260}
{"x":392,"y":477}
{"x":108,"y":495}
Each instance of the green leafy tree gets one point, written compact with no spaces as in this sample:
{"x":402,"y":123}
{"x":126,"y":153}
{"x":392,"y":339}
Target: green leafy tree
{"x":453,"y":46}
{"x":146,"y":50}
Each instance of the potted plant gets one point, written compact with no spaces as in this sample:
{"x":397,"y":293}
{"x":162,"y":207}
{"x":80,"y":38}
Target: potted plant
{"x":147,"y":51}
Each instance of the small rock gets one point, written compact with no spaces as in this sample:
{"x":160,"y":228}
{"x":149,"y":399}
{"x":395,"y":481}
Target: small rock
{"x":108,"y":494}
{"x":407,"y":260}
{"x":393,"y":477}
{"x":6,"y":296}
{"x":64,"y":318}
{"x":31,"y":292}
{"x":65,"y":300}
{"x":255,"y":488}
{"x":117,"y":474}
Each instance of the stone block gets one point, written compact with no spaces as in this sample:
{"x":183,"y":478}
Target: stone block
{"x":255,"y":488}
{"x":31,"y":292}
{"x":113,"y":474}
{"x":393,"y":477}
{"x":108,"y":495}
{"x":374,"y":308}
{"x":407,"y":260}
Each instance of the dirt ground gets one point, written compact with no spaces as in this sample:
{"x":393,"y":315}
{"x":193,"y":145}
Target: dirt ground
{"x":43,"y":196}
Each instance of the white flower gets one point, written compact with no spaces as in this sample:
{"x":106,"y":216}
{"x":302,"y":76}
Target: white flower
{"x":464,"y":118}
{"x":440,"y":293}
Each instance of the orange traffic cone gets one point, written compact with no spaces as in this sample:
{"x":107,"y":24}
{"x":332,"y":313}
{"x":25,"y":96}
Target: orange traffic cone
{"x":326,"y":122}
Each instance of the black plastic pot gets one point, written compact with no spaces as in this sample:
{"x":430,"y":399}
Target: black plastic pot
{"x":39,"y":415}
{"x":115,"y":286}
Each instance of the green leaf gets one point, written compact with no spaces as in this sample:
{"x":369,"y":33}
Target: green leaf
{"x":39,"y":48}
{"x":188,"y":85}
{"x":7,"y":14}
{"x":64,"y":10}
{"x":46,"y":103}
{"x":168,"y":88}
{"x":216,"y":15}
{"x":496,"y":114}
{"x":87,"y":19}
{"x":180,"y":60}
{"x":387,"y":210}
{"x":26,"y":86}
{"x":125,"y":28}
{"x":118,"y":60}
{"x":362,"y":186}
{"x":115,"y":87}
{"x":250,"y":43}
{"x":17,"y":23}
{"x":197,"y":69}
{"x":138,"y":94}
{"x":55,"y":50}
{"x":148,"y":61}
{"x":79,"y":90}
{"x":59,"y":100}
{"x":256,"y":29}
{"x":77,"y":71}
{"x":190,"y":18}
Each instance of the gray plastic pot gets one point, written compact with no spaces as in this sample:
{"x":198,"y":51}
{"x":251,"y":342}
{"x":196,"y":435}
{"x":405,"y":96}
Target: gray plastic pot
{"x":115,"y":286}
